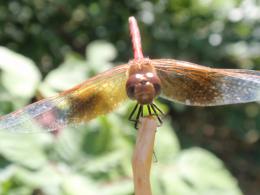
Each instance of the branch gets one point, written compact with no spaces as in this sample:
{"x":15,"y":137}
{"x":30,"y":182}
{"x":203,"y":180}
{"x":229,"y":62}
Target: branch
{"x":142,"y":157}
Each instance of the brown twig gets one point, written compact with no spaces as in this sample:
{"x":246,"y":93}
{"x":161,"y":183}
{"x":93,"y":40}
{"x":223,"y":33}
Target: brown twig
{"x":142,"y":157}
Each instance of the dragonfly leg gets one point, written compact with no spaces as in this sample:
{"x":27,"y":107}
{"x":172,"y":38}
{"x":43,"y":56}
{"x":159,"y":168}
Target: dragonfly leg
{"x":139,"y":113}
{"x":142,"y":112}
{"x":130,"y":118}
{"x":156,"y":109}
{"x":149,"y":109}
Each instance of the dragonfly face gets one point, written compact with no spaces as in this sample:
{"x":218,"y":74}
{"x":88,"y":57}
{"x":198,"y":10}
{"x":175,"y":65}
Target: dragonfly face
{"x":143,"y":84}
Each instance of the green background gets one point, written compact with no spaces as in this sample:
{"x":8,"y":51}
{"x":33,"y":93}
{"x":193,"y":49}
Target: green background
{"x":50,"y":46}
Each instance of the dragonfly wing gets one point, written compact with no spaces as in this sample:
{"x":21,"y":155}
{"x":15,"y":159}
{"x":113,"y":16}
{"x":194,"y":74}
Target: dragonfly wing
{"x":98,"y":95}
{"x":44,"y":115}
{"x":197,"y":85}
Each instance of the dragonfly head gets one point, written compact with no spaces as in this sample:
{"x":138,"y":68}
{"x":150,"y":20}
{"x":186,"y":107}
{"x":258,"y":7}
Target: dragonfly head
{"x":143,"y":87}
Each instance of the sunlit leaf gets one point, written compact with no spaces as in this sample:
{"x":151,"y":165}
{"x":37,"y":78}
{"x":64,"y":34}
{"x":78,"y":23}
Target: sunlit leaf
{"x":120,"y":187}
{"x":76,"y":184}
{"x":73,"y":71}
{"x":167,"y":145}
{"x":101,"y":51}
{"x":20,"y":75}
{"x":40,"y":178}
{"x":99,"y":54}
{"x":196,"y":171}
{"x":25,"y":149}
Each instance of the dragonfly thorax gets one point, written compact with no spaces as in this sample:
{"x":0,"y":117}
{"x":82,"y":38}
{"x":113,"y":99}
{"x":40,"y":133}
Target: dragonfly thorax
{"x":143,"y":87}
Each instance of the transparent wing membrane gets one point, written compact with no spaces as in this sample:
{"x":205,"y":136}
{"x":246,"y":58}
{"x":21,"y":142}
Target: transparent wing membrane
{"x":197,"y":85}
{"x":40,"y":116}
{"x":98,"y":95}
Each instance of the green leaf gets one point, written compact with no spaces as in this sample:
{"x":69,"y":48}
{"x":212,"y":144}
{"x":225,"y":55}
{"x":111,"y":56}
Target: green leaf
{"x":41,"y":177}
{"x":121,"y":187}
{"x":25,"y":149}
{"x":20,"y":75}
{"x":76,"y":184}
{"x":68,"y":144}
{"x":196,"y":171}
{"x":167,"y":145}
{"x":100,"y":51}
{"x":73,"y":71}
{"x":99,"y":54}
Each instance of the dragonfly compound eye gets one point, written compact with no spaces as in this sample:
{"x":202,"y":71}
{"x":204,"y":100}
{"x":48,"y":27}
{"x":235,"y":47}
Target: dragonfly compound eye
{"x":157,"y":88}
{"x":130,"y":87}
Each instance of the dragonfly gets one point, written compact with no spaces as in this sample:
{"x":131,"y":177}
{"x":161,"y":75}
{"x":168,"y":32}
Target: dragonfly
{"x":141,"y":79}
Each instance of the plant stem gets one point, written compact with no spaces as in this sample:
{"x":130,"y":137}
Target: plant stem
{"x":142,"y":157}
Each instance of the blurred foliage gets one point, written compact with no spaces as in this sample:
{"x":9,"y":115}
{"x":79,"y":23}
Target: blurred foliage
{"x":95,"y":159}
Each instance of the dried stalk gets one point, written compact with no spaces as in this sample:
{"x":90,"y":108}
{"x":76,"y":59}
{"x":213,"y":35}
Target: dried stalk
{"x":142,"y":157}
